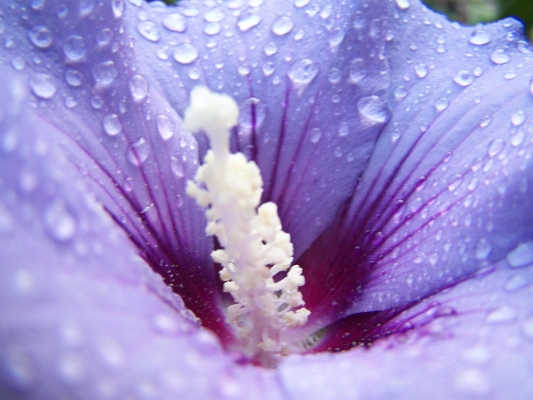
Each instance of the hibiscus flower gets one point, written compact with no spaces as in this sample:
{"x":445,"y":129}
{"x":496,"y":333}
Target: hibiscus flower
{"x":396,"y":145}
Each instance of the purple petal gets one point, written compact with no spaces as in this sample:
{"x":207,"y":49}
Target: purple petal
{"x":82,"y":315}
{"x":120,"y":133}
{"x":445,"y":193}
{"x":475,"y":341}
{"x":311,"y":107}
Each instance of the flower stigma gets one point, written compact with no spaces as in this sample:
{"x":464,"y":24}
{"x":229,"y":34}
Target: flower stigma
{"x":254,"y":248}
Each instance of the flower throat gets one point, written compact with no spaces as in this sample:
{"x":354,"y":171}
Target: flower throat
{"x":254,"y":247}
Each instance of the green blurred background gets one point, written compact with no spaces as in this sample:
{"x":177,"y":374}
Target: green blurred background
{"x":475,"y":11}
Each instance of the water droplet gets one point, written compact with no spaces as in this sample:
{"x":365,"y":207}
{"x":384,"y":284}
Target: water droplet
{"x":97,"y":102}
{"x":400,"y":92}
{"x":500,"y":56}
{"x":40,"y":37}
{"x":301,"y":73}
{"x":105,"y":73}
{"x":268,"y":68}
{"x":501,"y":315}
{"x":301,"y":3}
{"x":357,"y":70}
{"x":70,"y":102}
{"x":515,"y":283}
{"x":185,"y":53}
{"x":518,"y":118}
{"x":421,"y":71}
{"x":335,"y":38}
{"x":103,"y":37}
{"x":74,"y":48}
{"x":165,"y":126}
{"x":518,"y":138}
{"x":316,"y":134}
{"x":149,"y":30}
{"x":338,"y":152}
{"x":282,"y":25}
{"x":472,"y":381}
{"x":118,"y":8}
{"x":247,"y":20}
{"x":252,"y":115}
{"x":373,"y":109}
{"x":70,"y":368}
{"x":60,"y":224}
{"x":214,"y":15}
{"x":112,"y":125}
{"x":18,"y":63}
{"x":73,"y":77}
{"x":495,"y":147}
{"x":271,"y":49}
{"x":521,"y":255}
{"x":212,"y":28}
{"x":442,"y":104}
{"x":403,"y":4}
{"x":175,"y":22}
{"x":344,"y":129}
{"x":334,"y":76}
{"x":177,"y":167}
{"x":463,"y":78}
{"x":483,"y":249}
{"x":86,"y":7}
{"x":479,"y":37}
{"x":42,"y":86}
{"x":138,"y":87}
{"x":243,"y":70}
{"x":138,"y":152}
{"x":487,"y":119}
{"x":37,"y":4}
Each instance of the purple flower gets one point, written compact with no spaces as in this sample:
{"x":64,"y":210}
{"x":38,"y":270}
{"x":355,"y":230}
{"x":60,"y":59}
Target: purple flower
{"x":396,"y":144}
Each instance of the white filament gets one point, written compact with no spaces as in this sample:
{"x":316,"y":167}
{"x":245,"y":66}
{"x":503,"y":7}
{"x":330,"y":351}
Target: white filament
{"x":254,"y":246}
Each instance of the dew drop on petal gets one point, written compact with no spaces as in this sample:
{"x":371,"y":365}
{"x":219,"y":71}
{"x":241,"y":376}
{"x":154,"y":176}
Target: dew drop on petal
{"x":301,"y":73}
{"x":442,"y":104}
{"x":268,"y":68}
{"x":40,"y":36}
{"x":138,"y":152}
{"x":149,"y":30}
{"x":58,"y":221}
{"x":74,"y":48}
{"x":400,"y":92}
{"x":421,"y":71}
{"x":373,"y":109}
{"x":500,"y":56}
{"x":515,"y":283}
{"x":344,"y":129}
{"x":111,"y":124}
{"x":316,"y":134}
{"x":105,"y":73}
{"x":521,"y":255}
{"x":518,"y":118}
{"x":247,"y":20}
{"x":357,"y":70}
{"x":118,"y":8}
{"x":212,"y":28}
{"x":185,"y":53}
{"x":175,"y":22}
{"x":483,"y":249}
{"x":282,"y":25}
{"x":73,"y":77}
{"x":138,"y":87}
{"x":479,"y":37}
{"x":495,"y":147}
{"x":518,"y":138}
{"x":463,"y":78}
{"x":501,"y":315}
{"x":18,"y":63}
{"x":270,"y":49}
{"x":214,"y":15}
{"x":165,"y":126}
{"x":334,"y":76}
{"x":103,"y":37}
{"x":42,"y":86}
{"x":301,"y":3}
{"x":403,"y":4}
{"x":487,"y":119}
{"x":177,"y":167}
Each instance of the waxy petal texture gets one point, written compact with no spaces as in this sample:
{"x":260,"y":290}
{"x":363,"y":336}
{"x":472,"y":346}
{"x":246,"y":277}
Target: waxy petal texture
{"x":311,"y":81}
{"x":83,"y":316}
{"x":120,"y":133}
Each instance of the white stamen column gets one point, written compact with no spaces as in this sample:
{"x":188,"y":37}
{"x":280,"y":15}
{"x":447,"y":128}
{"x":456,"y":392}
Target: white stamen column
{"x":254,"y":246}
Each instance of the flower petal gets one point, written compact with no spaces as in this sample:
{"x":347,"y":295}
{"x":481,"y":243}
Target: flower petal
{"x":446,"y":190}
{"x":475,"y":341}
{"x":310,"y":79}
{"x":82,"y":315}
{"x":119,"y":132}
